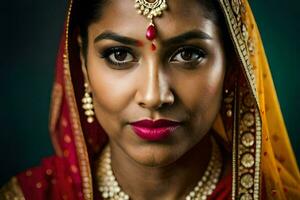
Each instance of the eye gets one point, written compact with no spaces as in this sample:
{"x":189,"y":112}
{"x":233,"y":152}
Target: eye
{"x":118,"y":55}
{"x":188,"y":55}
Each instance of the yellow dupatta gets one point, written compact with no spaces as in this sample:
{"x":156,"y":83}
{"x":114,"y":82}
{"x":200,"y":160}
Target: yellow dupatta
{"x":264,"y":166}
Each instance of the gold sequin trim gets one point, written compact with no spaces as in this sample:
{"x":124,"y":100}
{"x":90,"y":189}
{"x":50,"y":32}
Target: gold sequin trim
{"x":56,"y":100}
{"x":248,"y":148}
{"x":233,"y":11}
{"x":81,"y":150}
{"x":246,"y":196}
{"x":11,"y":191}
{"x":247,"y":121}
{"x":247,"y":181}
{"x":248,"y":139}
{"x":247,"y":160}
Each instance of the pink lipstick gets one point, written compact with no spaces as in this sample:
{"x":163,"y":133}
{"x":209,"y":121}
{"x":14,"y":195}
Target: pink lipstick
{"x":154,"y":130}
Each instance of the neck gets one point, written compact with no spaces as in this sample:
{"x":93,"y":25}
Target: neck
{"x":174,"y":181}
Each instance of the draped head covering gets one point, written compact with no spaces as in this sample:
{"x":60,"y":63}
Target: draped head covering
{"x":257,"y":128}
{"x":250,"y":121}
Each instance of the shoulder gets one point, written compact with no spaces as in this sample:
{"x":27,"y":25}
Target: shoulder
{"x":11,"y":190}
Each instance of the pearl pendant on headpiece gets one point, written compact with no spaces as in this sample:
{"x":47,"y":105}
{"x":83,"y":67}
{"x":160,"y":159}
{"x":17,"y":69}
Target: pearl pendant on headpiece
{"x":151,"y":10}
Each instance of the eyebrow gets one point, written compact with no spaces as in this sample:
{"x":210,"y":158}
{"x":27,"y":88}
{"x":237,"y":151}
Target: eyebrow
{"x":194,"y":34}
{"x":190,"y":35}
{"x":108,"y":35}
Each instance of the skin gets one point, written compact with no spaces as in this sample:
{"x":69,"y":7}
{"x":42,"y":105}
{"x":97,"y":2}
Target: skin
{"x":157,"y":85}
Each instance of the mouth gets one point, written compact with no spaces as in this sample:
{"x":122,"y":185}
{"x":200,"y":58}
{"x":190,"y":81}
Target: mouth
{"x":154,"y":130}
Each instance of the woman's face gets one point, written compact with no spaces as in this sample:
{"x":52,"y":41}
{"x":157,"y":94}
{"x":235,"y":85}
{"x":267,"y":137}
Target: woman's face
{"x":180,"y":81}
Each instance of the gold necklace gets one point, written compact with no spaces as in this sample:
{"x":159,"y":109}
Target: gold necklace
{"x":110,"y":189}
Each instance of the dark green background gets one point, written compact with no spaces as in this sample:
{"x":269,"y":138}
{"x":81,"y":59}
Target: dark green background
{"x":30,"y":32}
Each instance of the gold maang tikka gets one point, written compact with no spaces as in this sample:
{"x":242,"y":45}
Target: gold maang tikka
{"x":151,"y":10}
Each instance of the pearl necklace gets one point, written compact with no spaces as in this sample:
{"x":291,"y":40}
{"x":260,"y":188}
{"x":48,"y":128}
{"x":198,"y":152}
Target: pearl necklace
{"x":110,"y":189}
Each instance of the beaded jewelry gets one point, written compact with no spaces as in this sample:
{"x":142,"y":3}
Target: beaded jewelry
{"x":110,"y":189}
{"x":151,"y":10}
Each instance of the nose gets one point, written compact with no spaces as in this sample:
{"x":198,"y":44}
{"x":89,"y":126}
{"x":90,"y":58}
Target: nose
{"x":154,"y":91}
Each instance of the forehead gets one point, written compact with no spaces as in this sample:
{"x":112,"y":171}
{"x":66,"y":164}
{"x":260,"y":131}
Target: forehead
{"x":182,"y":15}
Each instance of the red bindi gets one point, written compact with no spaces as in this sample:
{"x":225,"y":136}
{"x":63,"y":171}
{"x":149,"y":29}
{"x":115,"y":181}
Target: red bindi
{"x":153,"y":47}
{"x":139,"y":43}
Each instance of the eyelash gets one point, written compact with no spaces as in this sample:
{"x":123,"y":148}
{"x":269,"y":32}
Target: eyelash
{"x":111,"y":51}
{"x":202,"y":54}
{"x":107,"y":53}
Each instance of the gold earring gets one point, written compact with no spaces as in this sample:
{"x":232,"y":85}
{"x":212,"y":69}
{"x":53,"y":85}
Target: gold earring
{"x":87,"y":105}
{"x":229,"y":96}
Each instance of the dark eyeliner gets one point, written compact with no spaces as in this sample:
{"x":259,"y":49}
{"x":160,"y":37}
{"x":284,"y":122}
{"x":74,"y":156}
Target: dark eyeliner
{"x":184,"y":48}
{"x":109,"y":51}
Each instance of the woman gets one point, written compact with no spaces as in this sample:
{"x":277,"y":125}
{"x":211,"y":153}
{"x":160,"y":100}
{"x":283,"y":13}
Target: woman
{"x":162,"y":100}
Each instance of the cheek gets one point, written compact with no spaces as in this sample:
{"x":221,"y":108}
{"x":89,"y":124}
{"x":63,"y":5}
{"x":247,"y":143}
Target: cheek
{"x":112,"y":90}
{"x":201,"y":93}
{"x":211,"y":83}
{"x":214,"y":85}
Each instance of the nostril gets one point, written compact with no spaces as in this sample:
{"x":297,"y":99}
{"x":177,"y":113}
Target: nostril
{"x":156,"y":102}
{"x":142,"y":104}
{"x":155,"y":92}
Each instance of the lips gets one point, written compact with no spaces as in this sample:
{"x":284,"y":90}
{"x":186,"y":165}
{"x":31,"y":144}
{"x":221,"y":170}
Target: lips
{"x":154,"y":130}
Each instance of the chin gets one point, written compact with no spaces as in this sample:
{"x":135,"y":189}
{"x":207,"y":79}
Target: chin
{"x":156,"y":155}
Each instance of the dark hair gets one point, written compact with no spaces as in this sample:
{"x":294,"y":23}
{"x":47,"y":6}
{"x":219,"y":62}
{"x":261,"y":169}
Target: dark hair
{"x":212,"y":11}
{"x":90,"y":11}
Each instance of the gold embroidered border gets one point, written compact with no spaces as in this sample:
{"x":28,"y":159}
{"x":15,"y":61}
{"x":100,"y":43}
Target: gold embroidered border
{"x":257,"y":177}
{"x":248,"y":147}
{"x":81,"y":149}
{"x":234,"y":143}
{"x":56,"y":100}
{"x":11,"y":191}
{"x":240,"y":38}
{"x":245,"y":159}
